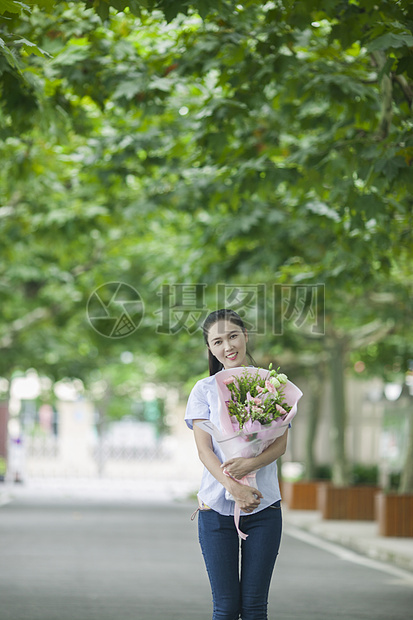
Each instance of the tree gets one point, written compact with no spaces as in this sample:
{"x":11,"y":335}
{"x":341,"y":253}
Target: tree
{"x":277,"y":136}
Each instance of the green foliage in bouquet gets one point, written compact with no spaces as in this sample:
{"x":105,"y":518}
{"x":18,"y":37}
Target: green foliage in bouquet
{"x":256,"y":398}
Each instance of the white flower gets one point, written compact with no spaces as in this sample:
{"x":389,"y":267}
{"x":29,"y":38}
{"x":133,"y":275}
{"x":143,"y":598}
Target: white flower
{"x":276,"y":383}
{"x":282,"y":378}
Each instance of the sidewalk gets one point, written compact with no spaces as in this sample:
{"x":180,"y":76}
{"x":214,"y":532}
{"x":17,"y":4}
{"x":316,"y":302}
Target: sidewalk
{"x":359,"y":536}
{"x":124,"y":490}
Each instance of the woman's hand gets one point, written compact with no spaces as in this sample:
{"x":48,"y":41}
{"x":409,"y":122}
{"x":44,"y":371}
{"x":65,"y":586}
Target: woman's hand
{"x":248,"y":498}
{"x":239,"y":467}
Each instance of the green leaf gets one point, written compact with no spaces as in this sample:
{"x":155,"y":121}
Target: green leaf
{"x":171,"y":8}
{"x":32,"y":48}
{"x":12,"y":6}
{"x":43,"y":4}
{"x":128,"y":89}
{"x":390,"y":40}
{"x":72,"y":55}
{"x":405,"y":65}
{"x":162,"y":84}
{"x":8,"y":54}
{"x":102,"y":9}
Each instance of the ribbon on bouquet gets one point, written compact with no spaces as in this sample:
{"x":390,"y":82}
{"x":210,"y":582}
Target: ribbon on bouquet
{"x":237,"y":510}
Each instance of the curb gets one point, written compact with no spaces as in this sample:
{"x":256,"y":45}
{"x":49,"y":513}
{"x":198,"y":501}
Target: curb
{"x":358,"y":536}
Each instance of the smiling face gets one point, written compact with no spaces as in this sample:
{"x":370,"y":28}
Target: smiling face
{"x":228,"y":343}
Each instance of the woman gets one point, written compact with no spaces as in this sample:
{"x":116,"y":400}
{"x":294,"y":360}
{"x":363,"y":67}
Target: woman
{"x":237,"y":591}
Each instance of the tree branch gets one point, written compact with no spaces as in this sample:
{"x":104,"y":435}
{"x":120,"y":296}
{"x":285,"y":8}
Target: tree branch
{"x":406,"y":88}
{"x":386,"y":87}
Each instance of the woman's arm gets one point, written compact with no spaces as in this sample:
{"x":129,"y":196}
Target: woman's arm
{"x":240,"y":467}
{"x":247,"y":497}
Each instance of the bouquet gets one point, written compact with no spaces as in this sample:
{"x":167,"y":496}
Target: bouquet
{"x":256,"y":407}
{"x":256,"y":399}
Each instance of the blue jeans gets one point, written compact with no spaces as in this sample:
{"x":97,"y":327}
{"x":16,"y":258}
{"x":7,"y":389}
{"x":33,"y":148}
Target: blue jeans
{"x":240,"y":592}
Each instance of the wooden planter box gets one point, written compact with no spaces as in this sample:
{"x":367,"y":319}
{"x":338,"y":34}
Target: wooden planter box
{"x":356,"y":503}
{"x":394,"y":514}
{"x":301,"y":495}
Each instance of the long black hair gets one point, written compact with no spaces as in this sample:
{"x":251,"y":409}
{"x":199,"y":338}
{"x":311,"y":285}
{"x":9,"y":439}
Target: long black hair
{"x":225,"y":314}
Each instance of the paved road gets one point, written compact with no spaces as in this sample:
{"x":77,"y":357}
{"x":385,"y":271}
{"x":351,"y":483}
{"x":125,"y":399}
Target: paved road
{"x":96,"y":560}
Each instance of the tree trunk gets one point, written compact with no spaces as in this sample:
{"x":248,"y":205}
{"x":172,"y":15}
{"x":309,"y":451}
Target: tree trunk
{"x":406,"y":481}
{"x":340,"y":476}
{"x":316,"y":385}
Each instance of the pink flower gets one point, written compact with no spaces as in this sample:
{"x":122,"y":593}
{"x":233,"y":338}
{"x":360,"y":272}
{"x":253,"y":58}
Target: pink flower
{"x":271,"y":388}
{"x":228,"y":381}
{"x":280,"y":409}
{"x":257,"y":400}
{"x":260,"y":389}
